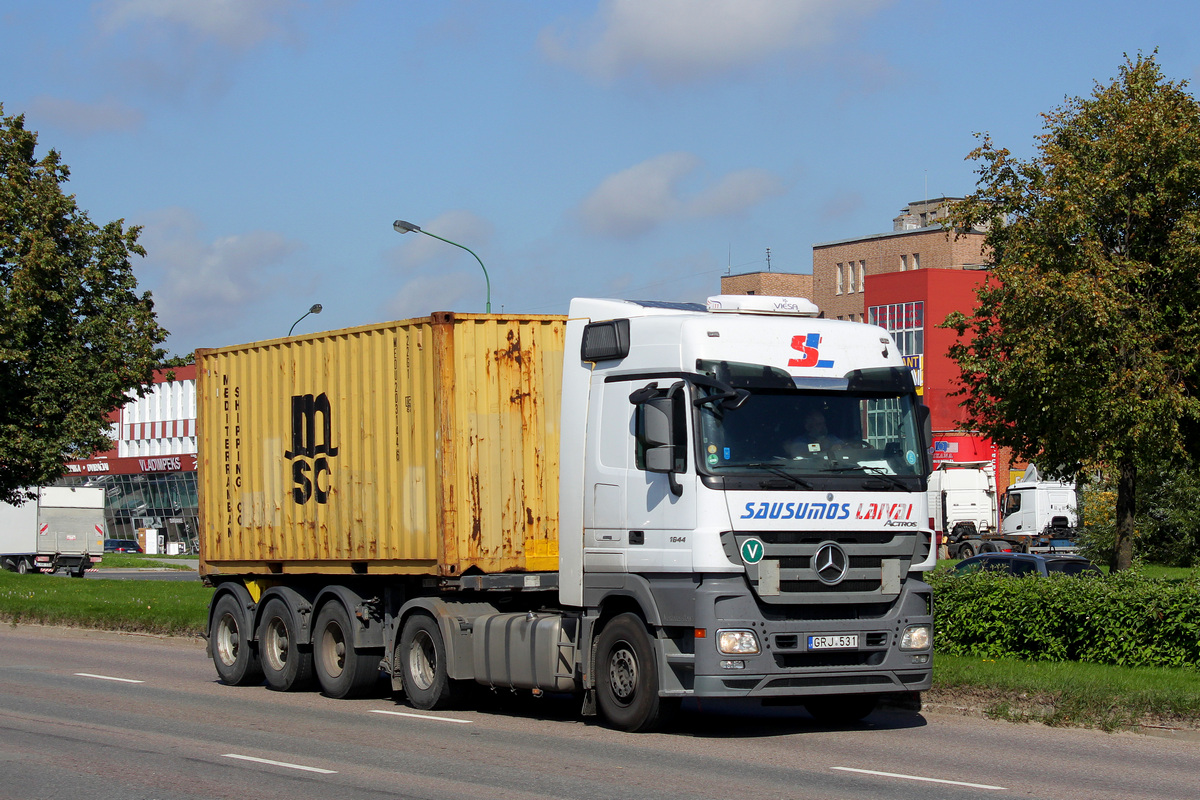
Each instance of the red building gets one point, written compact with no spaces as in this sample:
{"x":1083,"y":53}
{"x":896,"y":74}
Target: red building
{"x":912,"y":305}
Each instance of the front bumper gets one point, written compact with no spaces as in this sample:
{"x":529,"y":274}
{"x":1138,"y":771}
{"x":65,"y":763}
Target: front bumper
{"x":786,"y":667}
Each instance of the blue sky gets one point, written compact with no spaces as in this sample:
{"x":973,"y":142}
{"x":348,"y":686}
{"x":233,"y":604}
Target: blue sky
{"x":621,"y":148}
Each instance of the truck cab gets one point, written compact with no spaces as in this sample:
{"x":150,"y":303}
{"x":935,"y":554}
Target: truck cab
{"x":762,"y":557}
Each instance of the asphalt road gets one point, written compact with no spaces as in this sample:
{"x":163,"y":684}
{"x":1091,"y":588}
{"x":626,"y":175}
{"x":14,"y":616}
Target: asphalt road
{"x":103,"y":715}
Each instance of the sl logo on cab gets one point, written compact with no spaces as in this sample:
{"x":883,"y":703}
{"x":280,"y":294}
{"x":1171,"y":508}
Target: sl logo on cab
{"x":808,"y":344}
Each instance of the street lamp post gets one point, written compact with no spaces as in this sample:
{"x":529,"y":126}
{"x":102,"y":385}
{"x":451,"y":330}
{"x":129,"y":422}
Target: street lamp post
{"x":316,"y":309}
{"x":400,"y":226}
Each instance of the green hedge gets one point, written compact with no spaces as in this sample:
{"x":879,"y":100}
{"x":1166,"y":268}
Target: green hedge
{"x":1125,"y":619}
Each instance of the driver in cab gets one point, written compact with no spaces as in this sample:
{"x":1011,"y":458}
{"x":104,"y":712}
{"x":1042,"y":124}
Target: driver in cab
{"x":816,"y":440}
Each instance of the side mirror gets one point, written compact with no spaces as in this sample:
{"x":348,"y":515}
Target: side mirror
{"x":659,"y":431}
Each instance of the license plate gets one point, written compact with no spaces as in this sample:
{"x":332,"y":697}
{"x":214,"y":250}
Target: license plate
{"x":835,"y":642}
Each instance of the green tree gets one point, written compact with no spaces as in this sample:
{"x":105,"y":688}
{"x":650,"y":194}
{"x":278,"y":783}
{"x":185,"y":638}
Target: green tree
{"x":1085,"y":344}
{"x":74,"y":334}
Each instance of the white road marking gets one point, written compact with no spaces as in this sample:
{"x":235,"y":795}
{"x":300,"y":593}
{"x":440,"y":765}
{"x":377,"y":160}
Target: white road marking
{"x":919,"y":778}
{"x":107,"y":678}
{"x":421,"y":716}
{"x":281,"y":764}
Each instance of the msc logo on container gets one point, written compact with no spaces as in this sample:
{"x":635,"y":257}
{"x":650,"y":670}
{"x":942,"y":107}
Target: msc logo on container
{"x":310,"y":454}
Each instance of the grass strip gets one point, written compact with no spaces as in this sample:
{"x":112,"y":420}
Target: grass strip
{"x":1068,"y":694}
{"x":176,"y":608}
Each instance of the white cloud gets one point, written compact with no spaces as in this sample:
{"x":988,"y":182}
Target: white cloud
{"x":201,"y":286}
{"x":735,"y":193}
{"x":238,"y":24}
{"x":85,"y":118}
{"x":636,"y":200}
{"x":676,"y":41}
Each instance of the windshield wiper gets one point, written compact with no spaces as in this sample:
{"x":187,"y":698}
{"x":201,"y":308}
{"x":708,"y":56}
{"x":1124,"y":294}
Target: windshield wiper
{"x":870,"y":470}
{"x":775,"y":469}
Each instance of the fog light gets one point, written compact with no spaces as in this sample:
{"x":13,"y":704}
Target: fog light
{"x":916,"y":637}
{"x":737,"y":643}
{"x":733,"y":665}
{"x":921,"y":659}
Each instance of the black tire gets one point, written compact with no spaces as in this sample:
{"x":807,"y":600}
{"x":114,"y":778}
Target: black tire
{"x":287,"y":663}
{"x":422,"y":661}
{"x":843,"y":709}
{"x":627,"y":677}
{"x":23,"y":566}
{"x":342,"y":671}
{"x":233,"y":654}
{"x":966,"y":551}
{"x":79,"y":571}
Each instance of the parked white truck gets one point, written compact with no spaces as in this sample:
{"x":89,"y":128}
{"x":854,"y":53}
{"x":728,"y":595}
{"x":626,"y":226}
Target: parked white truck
{"x":622,"y":504}
{"x":962,"y":500}
{"x":1036,"y":516}
{"x":62,"y":528}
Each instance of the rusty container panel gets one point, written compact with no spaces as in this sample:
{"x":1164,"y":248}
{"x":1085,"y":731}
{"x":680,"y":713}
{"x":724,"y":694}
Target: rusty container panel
{"x":426,"y":446}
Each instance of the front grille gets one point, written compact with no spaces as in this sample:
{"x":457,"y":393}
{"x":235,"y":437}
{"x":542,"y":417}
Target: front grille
{"x":877,"y":563}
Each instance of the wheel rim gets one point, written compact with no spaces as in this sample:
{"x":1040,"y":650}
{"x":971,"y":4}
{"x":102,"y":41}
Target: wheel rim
{"x":276,"y":644}
{"x":623,"y":673}
{"x":422,"y":660}
{"x":229,"y":640}
{"x":333,"y":650}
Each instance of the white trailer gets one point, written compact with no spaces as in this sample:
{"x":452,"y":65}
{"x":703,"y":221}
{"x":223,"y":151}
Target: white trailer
{"x":63,"y":528}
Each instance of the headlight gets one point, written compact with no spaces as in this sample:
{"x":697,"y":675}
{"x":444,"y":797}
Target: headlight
{"x":916,"y":637}
{"x":741,"y":643}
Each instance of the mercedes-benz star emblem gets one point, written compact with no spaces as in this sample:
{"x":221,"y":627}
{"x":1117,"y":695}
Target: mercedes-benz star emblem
{"x":830,"y":563}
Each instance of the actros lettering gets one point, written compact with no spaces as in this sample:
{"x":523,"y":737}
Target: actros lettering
{"x":312,"y":447}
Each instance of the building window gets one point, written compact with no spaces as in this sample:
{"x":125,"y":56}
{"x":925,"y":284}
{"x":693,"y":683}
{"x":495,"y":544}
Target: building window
{"x":903,"y":263}
{"x":906,"y":323}
{"x":839,"y":278}
{"x":850,"y":278}
{"x":916,"y":260}
{"x":862,"y":276}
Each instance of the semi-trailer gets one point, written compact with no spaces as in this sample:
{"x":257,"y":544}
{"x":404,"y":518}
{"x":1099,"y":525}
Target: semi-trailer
{"x":621,"y":504}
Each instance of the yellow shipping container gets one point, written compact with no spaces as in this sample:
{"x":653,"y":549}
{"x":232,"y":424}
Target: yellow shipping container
{"x":425,"y":446}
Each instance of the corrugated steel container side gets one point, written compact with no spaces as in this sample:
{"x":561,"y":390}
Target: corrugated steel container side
{"x":426,"y":446}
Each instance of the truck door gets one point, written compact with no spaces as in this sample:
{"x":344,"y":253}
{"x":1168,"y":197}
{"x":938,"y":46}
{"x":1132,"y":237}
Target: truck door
{"x":1018,"y":513}
{"x":634,"y":518}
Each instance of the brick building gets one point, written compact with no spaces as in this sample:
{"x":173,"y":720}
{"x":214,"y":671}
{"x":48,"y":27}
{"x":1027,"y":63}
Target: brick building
{"x":775,"y":284}
{"x":917,"y":241}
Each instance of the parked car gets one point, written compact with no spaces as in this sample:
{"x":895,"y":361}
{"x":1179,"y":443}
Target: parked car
{"x":1027,"y":564}
{"x":122,"y":546}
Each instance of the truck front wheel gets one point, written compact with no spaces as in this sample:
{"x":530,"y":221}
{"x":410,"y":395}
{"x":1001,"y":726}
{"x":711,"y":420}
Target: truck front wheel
{"x":966,"y":551}
{"x":627,"y":678}
{"x":287,"y":665}
{"x":232,"y":652}
{"x":422,"y":657}
{"x":342,"y":671}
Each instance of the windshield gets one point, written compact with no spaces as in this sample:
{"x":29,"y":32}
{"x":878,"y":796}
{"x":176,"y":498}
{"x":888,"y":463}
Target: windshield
{"x":807,"y":432}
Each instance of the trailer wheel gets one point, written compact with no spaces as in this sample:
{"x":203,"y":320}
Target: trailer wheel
{"x":232,"y":651}
{"x":22,"y":566}
{"x":627,"y":677}
{"x":286,"y":663}
{"x":342,"y":671}
{"x":79,"y":571}
{"x":966,"y":551}
{"x":840,"y":709}
{"x":422,"y":657}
